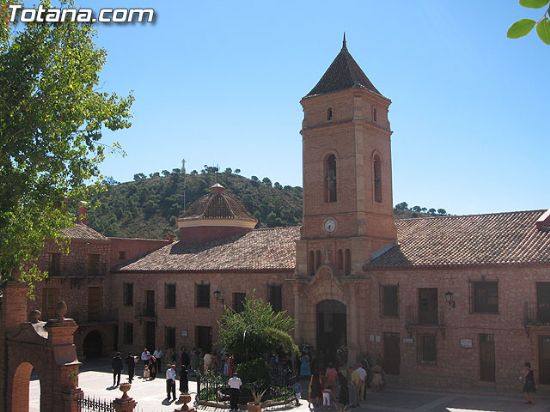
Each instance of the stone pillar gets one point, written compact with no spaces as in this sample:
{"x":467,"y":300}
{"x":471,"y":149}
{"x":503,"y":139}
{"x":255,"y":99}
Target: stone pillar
{"x":297,"y":310}
{"x":125,"y":403}
{"x":14,"y":297}
{"x":353,"y":326}
{"x":70,"y":399}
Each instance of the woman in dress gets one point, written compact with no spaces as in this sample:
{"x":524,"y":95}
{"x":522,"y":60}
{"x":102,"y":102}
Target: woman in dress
{"x":529,"y":382}
{"x":315,"y":390}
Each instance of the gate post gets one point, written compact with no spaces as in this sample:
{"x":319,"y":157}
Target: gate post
{"x":70,"y":399}
{"x":125,"y":403}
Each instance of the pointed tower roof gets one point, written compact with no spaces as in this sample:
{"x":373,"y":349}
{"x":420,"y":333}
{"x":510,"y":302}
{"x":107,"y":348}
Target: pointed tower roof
{"x":343,"y":73}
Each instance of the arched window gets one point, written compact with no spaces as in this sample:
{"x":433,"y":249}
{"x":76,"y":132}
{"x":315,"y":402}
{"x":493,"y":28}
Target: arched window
{"x":347,"y":262}
{"x":311,"y":263}
{"x":330,"y":178}
{"x":377,"y":178}
{"x":329,"y":113}
{"x":317,"y":259}
{"x":340,"y":260}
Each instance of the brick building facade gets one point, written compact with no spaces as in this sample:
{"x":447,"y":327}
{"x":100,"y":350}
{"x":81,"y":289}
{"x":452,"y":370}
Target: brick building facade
{"x":453,"y":300}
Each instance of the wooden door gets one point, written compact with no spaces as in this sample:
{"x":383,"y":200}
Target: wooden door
{"x":95,"y":303}
{"x":150,"y":336}
{"x":544,"y":359}
{"x":204,"y":338}
{"x":487,"y":357}
{"x":427,"y":306}
{"x":392,"y":353}
{"x":149,"y":303}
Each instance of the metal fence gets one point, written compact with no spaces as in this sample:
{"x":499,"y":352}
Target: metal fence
{"x":93,"y":404}
{"x":213,"y":389}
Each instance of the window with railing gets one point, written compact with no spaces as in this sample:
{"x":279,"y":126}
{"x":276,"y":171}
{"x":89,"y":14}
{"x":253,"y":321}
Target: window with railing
{"x":128,"y":333}
{"x":427,"y":349}
{"x":427,"y":306}
{"x":54,"y":264}
{"x":389,"y":300}
{"x":170,"y":337}
{"x":169,"y":295}
{"x":203,"y":295}
{"x":128,"y":294}
{"x":485,"y":297}
{"x":543,"y":302}
{"x":275,"y":297}
{"x":238,"y":301}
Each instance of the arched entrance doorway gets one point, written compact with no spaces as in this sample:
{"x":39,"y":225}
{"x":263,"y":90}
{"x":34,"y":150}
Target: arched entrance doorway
{"x":20,"y":388}
{"x":92,"y":346}
{"x":331,"y":330}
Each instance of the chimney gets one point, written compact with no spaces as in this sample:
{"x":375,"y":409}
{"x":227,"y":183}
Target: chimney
{"x":543,"y":222}
{"x":83,"y":213}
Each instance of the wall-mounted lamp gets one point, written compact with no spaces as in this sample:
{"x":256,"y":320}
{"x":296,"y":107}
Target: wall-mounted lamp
{"x":450,"y":299}
{"x":218,"y":294}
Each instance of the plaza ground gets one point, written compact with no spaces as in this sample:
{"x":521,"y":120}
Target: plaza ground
{"x":95,"y":379}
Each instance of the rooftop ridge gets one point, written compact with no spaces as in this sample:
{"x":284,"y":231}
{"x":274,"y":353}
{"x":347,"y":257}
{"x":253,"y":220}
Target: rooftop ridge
{"x":471,"y":215}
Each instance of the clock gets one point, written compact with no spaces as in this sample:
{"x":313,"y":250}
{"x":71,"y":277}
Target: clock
{"x":329,"y":225}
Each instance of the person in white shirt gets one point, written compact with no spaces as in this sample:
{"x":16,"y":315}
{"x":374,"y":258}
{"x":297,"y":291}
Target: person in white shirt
{"x":235,"y":384}
{"x":145,"y":356}
{"x":363,"y":376}
{"x":158,"y":356}
{"x":171,"y":382}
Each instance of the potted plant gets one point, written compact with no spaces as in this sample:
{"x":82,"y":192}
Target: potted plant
{"x":257,"y":395}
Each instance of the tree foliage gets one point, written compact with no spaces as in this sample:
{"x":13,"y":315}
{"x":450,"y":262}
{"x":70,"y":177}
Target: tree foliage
{"x":256,"y":331}
{"x":524,"y":26}
{"x":52,"y":114}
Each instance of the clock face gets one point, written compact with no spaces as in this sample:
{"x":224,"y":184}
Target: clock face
{"x":330,"y":225}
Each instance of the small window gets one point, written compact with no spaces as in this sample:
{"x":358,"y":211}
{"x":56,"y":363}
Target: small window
{"x":389,"y":295}
{"x":340,"y":260}
{"x":121,"y":255}
{"x":203,"y":296}
{"x":169,"y":295}
{"x":329,"y":114}
{"x":50,"y":298}
{"x":427,"y":349}
{"x":317,"y":259}
{"x":54,"y":264}
{"x":238,"y":301}
{"x":128,"y":294}
{"x":374,"y":114}
{"x":377,"y":178}
{"x":347,"y":262}
{"x":170,"y":337}
{"x":311,"y":263}
{"x":485,"y":297}
{"x":128,"y":333}
{"x":275,"y":297}
{"x":330,"y":179}
{"x":93,"y":264}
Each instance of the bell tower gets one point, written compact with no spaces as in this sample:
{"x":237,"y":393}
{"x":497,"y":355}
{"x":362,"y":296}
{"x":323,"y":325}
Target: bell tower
{"x":347,"y":178}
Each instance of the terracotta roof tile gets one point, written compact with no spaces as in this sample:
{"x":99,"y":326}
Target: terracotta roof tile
{"x":468,"y":240}
{"x":81,"y":231}
{"x":257,"y":250}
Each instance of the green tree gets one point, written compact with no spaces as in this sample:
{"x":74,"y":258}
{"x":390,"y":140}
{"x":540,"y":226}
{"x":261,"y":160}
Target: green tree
{"x":254,"y":332}
{"x":52,"y":114}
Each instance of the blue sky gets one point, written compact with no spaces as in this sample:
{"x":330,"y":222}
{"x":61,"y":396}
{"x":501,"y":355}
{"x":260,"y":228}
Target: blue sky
{"x":219,"y":83}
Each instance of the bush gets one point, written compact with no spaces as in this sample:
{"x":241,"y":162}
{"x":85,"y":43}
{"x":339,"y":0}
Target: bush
{"x":255,"y":371}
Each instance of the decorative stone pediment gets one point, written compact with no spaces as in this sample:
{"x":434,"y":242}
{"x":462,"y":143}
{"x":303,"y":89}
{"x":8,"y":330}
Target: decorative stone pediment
{"x":33,"y":333}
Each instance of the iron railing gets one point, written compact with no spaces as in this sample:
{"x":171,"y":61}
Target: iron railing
{"x":536,"y":314}
{"x":93,"y":404}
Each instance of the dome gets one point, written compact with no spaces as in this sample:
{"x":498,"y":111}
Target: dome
{"x":216,"y":215}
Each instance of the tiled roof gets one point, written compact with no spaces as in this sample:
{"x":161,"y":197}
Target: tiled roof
{"x":498,"y":238}
{"x":257,"y":250}
{"x":218,"y":204}
{"x":81,"y":231}
{"x":343,"y":73}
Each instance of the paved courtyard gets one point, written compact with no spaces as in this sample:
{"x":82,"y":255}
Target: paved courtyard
{"x":96,"y":379}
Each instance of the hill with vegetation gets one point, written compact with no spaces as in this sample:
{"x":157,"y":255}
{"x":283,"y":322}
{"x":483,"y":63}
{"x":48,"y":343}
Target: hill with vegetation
{"x":149,"y":206}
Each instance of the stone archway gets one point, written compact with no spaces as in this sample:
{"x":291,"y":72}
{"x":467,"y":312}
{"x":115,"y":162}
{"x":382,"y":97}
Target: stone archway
{"x":331,"y":318}
{"x":46,"y":346}
{"x":20,"y":387}
{"x":92,"y":345}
